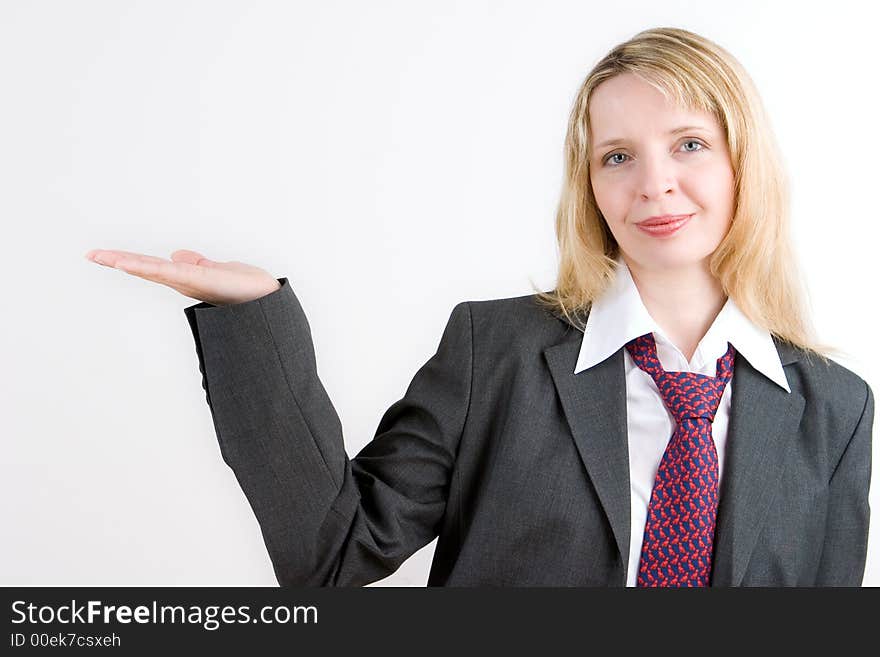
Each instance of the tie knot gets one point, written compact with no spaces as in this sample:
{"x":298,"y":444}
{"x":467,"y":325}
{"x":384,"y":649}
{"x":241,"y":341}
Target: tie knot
{"x":687,"y":395}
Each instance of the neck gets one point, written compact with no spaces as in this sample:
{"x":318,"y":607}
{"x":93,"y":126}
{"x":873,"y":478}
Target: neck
{"x":683,"y":301}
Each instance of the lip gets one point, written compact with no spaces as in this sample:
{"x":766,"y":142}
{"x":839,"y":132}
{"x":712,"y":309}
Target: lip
{"x":662,"y":219}
{"x":665,"y":225}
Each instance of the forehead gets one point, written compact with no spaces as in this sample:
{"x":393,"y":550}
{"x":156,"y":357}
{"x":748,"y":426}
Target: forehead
{"x":626,"y":106}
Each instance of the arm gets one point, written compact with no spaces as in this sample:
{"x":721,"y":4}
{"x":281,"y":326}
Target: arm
{"x":846,"y":532}
{"x":327,"y":520}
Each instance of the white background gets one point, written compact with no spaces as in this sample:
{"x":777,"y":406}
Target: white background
{"x":391,"y":159}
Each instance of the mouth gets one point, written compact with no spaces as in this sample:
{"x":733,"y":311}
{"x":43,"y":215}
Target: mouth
{"x":664,"y":226}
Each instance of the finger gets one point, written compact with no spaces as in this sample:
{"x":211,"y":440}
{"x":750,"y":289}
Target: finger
{"x":191,"y":257}
{"x":194,"y":281}
{"x":109,"y":257}
{"x":178,"y":276}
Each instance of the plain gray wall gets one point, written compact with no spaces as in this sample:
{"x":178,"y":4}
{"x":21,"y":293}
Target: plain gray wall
{"x":390,"y":159}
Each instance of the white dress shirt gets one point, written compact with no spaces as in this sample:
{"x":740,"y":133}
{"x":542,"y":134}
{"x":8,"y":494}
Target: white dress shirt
{"x":620,"y":316}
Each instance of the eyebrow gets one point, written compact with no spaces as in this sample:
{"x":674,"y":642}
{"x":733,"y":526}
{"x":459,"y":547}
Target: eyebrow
{"x":674,"y":131}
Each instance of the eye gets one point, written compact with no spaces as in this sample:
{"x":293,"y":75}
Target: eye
{"x":608,"y":160}
{"x":693,"y":141}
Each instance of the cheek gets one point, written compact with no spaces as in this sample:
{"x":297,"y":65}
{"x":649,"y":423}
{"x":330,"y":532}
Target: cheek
{"x":611,"y":199}
{"x":714,"y":189}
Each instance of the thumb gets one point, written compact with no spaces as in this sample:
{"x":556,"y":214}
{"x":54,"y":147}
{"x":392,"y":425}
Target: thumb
{"x":192,"y":258}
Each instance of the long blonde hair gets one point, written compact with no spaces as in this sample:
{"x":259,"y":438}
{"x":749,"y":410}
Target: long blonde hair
{"x":755,"y":262}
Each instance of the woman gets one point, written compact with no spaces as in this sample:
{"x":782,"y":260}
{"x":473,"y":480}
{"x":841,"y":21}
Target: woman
{"x":662,"y":418}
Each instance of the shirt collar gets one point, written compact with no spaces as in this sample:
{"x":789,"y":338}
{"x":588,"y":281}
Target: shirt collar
{"x":619,"y":316}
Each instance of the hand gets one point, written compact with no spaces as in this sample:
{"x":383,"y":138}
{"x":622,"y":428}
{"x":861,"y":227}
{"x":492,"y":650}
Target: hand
{"x":193,"y":275}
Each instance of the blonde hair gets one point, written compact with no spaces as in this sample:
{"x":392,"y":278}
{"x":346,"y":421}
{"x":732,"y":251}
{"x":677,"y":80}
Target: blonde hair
{"x":755,"y":262}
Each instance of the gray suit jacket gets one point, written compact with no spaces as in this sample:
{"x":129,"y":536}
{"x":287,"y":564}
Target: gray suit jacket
{"x":519,"y":465}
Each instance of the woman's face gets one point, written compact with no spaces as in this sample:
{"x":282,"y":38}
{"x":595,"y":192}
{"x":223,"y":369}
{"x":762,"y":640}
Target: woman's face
{"x":664,"y":161}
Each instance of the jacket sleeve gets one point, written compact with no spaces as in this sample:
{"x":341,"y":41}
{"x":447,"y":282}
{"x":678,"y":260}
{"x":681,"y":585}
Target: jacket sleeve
{"x":846,"y":532}
{"x":327,"y":520}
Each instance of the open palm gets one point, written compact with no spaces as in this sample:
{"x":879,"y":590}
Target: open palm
{"x":193,"y":275}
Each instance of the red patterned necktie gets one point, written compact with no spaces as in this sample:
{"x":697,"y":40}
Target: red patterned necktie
{"x":680,"y":529}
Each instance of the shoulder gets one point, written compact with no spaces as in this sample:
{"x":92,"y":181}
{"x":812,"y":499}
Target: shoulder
{"x":830,"y":388}
{"x":518,"y":321}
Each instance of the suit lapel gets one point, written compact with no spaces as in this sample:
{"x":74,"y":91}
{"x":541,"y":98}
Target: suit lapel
{"x":594,"y":402}
{"x":763,"y":421}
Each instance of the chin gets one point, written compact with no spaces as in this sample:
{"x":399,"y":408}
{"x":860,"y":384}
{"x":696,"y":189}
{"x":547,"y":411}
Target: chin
{"x":670,"y":256}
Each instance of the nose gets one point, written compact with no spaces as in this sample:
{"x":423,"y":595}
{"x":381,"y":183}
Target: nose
{"x":656,"y":177}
